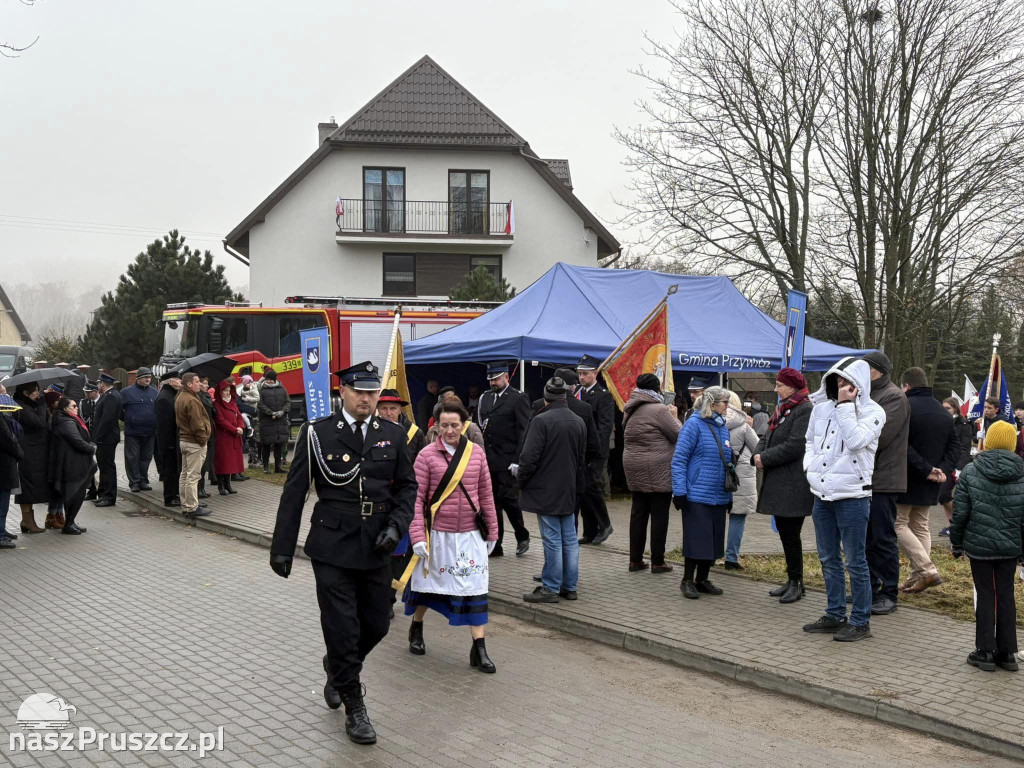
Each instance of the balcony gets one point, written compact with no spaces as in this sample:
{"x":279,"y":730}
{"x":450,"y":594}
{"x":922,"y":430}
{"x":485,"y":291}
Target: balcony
{"x":374,"y":221}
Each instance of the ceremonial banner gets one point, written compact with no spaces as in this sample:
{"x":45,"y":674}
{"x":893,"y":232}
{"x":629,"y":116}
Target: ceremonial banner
{"x":994,"y":386}
{"x":796,"y":316}
{"x":316,"y":374}
{"x":646,"y":350}
{"x":394,"y":378}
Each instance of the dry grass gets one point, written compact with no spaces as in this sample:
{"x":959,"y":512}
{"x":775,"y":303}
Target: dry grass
{"x":256,"y":473}
{"x":953,"y":598}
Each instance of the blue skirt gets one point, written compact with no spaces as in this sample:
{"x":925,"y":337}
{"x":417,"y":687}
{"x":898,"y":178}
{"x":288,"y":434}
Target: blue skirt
{"x":703,"y":530}
{"x":470,"y":611}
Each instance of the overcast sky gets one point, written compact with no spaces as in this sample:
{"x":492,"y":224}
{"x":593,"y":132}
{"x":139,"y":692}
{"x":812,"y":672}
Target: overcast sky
{"x":136,"y":117}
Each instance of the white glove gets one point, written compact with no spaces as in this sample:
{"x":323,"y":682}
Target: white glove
{"x":420,"y":548}
{"x":490,"y":546}
{"x":514,"y":469}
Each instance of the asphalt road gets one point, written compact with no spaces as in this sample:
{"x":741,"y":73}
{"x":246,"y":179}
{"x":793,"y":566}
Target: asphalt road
{"x":144,"y":625}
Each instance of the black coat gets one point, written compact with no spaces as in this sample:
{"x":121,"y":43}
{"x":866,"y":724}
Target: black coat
{"x":166,"y":453}
{"x":965,"y":434}
{"x":933,"y":442}
{"x":272,"y":399}
{"x":504,"y":421}
{"x":585,"y":412}
{"x":419,"y":440}
{"x":106,"y":427}
{"x":75,"y":389}
{"x":340,"y":534}
{"x":73,"y":464}
{"x":35,"y":445}
{"x":87,"y":409}
{"x":10,"y":454}
{"x":601,"y":400}
{"x":551,"y":467}
{"x":785,"y":491}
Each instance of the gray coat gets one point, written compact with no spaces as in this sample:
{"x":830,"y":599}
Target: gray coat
{"x":890,"y":475}
{"x":785,"y":491}
{"x":273,"y":399}
{"x":743,"y":440}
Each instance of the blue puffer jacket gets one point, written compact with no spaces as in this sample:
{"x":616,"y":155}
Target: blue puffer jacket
{"x":138,"y":411}
{"x":697,"y":471}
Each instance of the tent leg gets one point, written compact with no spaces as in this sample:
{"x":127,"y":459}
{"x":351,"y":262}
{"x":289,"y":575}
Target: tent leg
{"x":522,"y":376}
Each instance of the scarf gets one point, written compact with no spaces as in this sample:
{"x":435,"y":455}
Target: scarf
{"x":81,"y":423}
{"x":787,"y":405}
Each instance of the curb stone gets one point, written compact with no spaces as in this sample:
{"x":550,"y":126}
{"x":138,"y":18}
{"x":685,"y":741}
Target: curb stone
{"x":679,"y":654}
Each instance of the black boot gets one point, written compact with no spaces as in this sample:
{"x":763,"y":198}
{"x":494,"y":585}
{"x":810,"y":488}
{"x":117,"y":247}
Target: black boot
{"x":227,"y":484}
{"x":478,"y":657}
{"x":220,"y":487}
{"x":331,"y":695}
{"x":794,"y":591}
{"x":201,"y":490}
{"x":416,"y":645}
{"x":357,"y":721}
{"x":779,"y":591}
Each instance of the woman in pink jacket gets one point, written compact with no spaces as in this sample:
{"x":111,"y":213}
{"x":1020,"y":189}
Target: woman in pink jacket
{"x":452,"y":575}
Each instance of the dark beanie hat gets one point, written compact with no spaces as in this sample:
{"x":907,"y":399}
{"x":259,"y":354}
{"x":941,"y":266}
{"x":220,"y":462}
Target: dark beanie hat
{"x":270,"y":373}
{"x":791,"y":377}
{"x":648,"y":381}
{"x":555,"y":389}
{"x":878,"y":361}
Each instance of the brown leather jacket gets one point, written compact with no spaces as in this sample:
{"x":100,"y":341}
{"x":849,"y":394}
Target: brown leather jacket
{"x":193,"y":423}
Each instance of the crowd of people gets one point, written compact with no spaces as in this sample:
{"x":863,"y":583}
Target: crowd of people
{"x":58,"y":442}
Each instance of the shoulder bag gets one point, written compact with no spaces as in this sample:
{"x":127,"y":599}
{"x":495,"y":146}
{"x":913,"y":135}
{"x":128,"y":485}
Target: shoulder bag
{"x":732,"y":480}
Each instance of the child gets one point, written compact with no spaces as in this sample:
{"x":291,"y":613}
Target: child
{"x":988,"y":514}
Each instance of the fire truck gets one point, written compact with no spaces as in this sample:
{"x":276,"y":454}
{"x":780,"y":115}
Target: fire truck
{"x":259,"y":337}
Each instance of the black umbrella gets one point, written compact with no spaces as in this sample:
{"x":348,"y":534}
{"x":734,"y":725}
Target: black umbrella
{"x":211,"y":364}
{"x":44,"y":377}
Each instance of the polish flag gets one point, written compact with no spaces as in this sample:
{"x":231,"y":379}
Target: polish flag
{"x":510,"y":220}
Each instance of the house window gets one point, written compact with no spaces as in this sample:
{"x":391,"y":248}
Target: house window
{"x":384,"y":199}
{"x":399,"y":274}
{"x":469,"y":193}
{"x":431,"y":274}
{"x":492,"y":263}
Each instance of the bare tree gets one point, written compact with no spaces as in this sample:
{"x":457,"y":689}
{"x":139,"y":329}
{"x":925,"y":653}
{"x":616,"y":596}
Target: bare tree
{"x":873,"y":148}
{"x":13,"y":50}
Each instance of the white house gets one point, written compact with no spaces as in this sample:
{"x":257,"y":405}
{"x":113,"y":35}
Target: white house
{"x":431,"y":184}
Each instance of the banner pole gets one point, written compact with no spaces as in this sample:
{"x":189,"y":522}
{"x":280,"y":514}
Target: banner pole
{"x":391,"y":345}
{"x":994,"y":381}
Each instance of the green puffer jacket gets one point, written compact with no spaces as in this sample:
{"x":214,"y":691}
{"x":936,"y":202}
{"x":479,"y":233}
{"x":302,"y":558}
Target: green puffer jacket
{"x":988,"y":507}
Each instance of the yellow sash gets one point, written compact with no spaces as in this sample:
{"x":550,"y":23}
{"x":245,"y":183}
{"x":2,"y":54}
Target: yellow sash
{"x":465,"y":427}
{"x":453,"y":483}
{"x":413,"y":429}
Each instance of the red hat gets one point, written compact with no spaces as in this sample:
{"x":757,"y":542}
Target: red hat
{"x":791,"y":377}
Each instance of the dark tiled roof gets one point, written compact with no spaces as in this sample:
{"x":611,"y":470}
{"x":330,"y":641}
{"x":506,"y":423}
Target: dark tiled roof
{"x":561,"y":169}
{"x":426,"y":105}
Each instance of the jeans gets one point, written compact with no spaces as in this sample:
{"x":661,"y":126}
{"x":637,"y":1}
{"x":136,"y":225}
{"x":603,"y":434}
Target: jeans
{"x":732,"y":543}
{"x":844,"y":523}
{"x":138,"y":453}
{"x":561,"y":553}
{"x":5,"y":504}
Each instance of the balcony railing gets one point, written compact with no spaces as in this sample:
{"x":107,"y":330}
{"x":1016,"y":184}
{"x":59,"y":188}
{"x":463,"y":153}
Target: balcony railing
{"x":423,"y":217}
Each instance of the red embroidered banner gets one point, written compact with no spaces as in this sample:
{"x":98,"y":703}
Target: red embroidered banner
{"x":646,"y":352}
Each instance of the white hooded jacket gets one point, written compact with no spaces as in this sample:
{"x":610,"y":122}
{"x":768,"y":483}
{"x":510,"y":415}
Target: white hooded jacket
{"x":842,"y":437}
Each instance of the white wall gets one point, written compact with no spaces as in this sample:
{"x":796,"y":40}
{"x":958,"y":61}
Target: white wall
{"x":294,"y":251}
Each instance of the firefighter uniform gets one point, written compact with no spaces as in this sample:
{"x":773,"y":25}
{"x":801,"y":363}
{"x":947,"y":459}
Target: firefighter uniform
{"x":597,"y":526}
{"x":366,"y":488}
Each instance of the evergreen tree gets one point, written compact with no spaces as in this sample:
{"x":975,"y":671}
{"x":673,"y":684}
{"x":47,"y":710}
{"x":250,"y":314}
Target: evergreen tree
{"x":125,"y":331}
{"x":480,"y":285}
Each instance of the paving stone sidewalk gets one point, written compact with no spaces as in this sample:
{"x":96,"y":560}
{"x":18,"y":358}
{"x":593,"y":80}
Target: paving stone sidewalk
{"x":911,"y":673}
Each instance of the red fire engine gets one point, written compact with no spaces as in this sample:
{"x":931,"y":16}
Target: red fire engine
{"x":259,"y":337}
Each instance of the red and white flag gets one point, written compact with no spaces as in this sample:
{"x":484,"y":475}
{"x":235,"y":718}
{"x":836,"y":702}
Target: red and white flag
{"x":339,"y":211}
{"x":970,"y":398}
{"x":510,"y":219}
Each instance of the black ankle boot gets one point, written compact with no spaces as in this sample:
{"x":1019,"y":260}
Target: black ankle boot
{"x":227,"y":485}
{"x":220,"y":487}
{"x":416,"y":645}
{"x":331,"y":695}
{"x":478,"y":657}
{"x":357,"y":721}
{"x":794,"y":591}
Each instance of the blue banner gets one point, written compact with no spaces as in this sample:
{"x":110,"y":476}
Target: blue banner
{"x":1005,"y":406}
{"x":316,"y":373}
{"x":796,"y":317}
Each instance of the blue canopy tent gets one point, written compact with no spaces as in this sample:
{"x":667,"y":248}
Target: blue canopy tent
{"x":571,"y":311}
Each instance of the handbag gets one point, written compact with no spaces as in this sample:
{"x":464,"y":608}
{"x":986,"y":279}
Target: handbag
{"x":732,"y":480}
{"x":478,"y":516}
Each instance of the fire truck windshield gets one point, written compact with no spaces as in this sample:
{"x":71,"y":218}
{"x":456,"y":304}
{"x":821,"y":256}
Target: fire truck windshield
{"x":180,"y":339}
